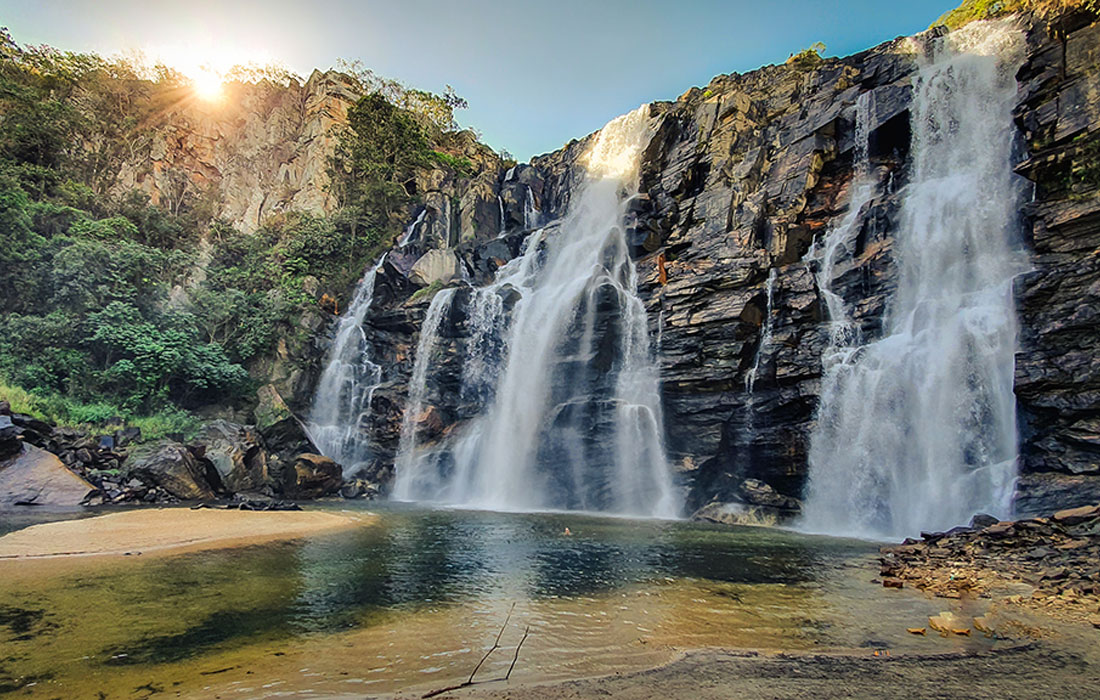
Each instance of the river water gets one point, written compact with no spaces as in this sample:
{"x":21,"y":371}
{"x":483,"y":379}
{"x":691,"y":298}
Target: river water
{"x":414,"y":601}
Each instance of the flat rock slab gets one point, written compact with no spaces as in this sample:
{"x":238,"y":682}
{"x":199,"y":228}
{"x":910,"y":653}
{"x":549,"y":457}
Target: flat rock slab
{"x":36,"y":477}
{"x":157,"y":530}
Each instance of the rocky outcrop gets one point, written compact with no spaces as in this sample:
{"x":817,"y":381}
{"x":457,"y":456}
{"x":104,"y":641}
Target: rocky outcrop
{"x":739,"y":180}
{"x":1058,"y":556}
{"x":1058,"y":366}
{"x":262,"y":149}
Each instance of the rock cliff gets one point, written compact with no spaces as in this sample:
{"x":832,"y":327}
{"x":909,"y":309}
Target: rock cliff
{"x":740,"y":178}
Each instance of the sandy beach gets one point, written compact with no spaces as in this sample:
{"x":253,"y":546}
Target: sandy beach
{"x":168,"y":530}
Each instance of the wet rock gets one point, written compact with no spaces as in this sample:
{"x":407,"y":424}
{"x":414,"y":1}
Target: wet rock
{"x":313,"y":476}
{"x":981,"y":520}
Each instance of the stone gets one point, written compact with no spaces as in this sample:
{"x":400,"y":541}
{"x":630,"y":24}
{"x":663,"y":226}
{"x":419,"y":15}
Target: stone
{"x":436,"y":265}
{"x":1074,"y":516}
{"x":37,"y":477}
{"x":172,"y":467}
{"x":981,"y":520}
{"x":270,"y":407}
{"x":313,"y":476}
{"x":756,"y":492}
{"x":237,"y":452}
{"x":11,"y":443}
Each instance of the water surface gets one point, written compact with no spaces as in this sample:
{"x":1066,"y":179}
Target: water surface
{"x":416,"y":600}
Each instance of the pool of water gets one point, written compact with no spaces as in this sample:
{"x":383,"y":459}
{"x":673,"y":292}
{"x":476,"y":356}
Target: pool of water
{"x":414,"y":601}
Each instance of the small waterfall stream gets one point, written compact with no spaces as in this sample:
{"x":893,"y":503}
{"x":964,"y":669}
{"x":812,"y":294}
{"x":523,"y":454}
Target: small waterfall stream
{"x":916,"y":430}
{"x":571,"y":417}
{"x":344,"y":391}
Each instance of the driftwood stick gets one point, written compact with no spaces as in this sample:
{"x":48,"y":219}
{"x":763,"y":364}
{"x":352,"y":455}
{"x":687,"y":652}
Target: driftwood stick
{"x":519,"y":646}
{"x":496,"y":645}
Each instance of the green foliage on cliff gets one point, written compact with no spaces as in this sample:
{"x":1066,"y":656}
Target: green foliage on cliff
{"x":115,"y":305}
{"x":973,"y":10}
{"x":86,"y":323}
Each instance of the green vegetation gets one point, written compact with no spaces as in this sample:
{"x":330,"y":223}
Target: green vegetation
{"x":104,"y":310}
{"x":808,"y":57}
{"x":973,"y":10}
{"x":426,"y":293}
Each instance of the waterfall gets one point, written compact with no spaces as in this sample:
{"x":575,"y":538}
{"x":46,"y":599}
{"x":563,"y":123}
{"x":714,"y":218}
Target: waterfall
{"x":342,"y":400}
{"x":570,"y":414}
{"x":916,"y":430}
{"x":765,"y":333}
{"x":414,"y":407}
{"x":530,"y":211}
{"x":500,"y":205}
{"x":411,"y":230}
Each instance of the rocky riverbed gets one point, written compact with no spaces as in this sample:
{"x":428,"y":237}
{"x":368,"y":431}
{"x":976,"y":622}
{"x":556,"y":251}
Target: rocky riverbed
{"x":1058,"y":556}
{"x":46,"y":465}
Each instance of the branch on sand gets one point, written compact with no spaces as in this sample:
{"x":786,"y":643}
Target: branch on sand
{"x":496,"y":645}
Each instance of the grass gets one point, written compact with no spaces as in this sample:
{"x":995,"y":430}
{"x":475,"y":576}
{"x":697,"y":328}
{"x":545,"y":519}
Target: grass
{"x":89,"y":417}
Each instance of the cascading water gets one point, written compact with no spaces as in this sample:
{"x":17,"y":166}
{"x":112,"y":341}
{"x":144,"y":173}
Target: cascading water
{"x":571,"y":416}
{"x":531,"y":212}
{"x":766,"y":331}
{"x":917,"y":430}
{"x":342,"y":400}
{"x":410,"y":232}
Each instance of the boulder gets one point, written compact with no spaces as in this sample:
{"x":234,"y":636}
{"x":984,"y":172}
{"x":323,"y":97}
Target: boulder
{"x":173,"y":467}
{"x":10,"y":442}
{"x":435,"y":266}
{"x":237,"y":452}
{"x":735,"y":514}
{"x":983,"y":520}
{"x":757,"y":493}
{"x":37,"y":477}
{"x":313,"y":476}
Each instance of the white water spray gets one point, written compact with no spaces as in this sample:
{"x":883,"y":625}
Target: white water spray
{"x":916,"y":431}
{"x":572,"y":417}
{"x":341,"y":403}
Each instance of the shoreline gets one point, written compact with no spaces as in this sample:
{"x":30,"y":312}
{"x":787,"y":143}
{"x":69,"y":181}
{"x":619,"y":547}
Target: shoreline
{"x":1009,"y":673}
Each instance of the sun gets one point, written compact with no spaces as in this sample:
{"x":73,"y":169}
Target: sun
{"x":207,"y":85}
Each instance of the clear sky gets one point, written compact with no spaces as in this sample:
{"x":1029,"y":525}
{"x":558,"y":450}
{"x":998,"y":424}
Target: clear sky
{"x":535,"y":74}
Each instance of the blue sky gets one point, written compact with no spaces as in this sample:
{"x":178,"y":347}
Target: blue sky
{"x":535,"y":74}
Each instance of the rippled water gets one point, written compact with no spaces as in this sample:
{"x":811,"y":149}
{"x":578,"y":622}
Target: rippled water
{"x":416,"y":600}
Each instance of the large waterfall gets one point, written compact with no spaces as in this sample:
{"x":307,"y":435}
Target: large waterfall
{"x":916,"y":430}
{"x":342,"y":400}
{"x":571,"y":416}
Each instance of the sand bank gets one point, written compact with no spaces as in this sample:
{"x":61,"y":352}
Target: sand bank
{"x":168,"y":530}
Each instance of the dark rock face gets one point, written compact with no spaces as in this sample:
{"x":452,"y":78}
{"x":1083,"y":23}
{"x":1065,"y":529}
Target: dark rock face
{"x":1058,"y":367}
{"x":738,"y":181}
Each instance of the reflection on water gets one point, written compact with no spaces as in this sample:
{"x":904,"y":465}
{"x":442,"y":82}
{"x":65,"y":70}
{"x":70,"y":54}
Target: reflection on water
{"x":416,"y":599}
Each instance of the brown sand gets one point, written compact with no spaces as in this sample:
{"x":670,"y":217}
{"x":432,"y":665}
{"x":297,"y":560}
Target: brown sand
{"x":168,"y":530}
